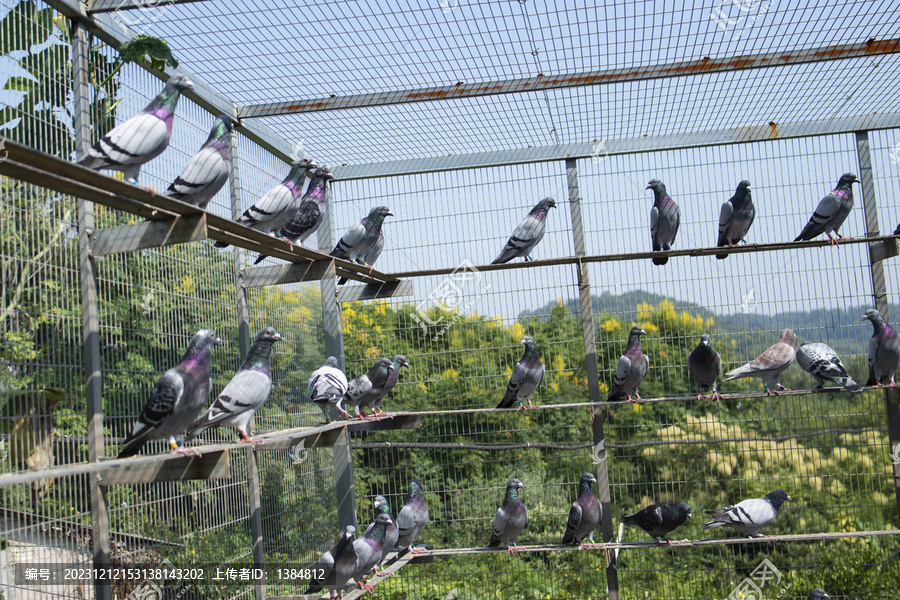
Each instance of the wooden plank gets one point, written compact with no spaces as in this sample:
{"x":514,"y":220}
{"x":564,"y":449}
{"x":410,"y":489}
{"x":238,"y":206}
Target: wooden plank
{"x":344,"y":487}
{"x":149,"y":234}
{"x":213,"y":465}
{"x":879,"y":251}
{"x":373,"y":291}
{"x":255,"y":277}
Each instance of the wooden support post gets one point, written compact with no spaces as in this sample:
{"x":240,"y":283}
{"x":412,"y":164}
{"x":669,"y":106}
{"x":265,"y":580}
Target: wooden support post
{"x":343,"y":480}
{"x":879,"y":290}
{"x":593,"y":377}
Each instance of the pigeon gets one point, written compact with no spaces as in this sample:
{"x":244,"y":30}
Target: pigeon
{"x":659,"y":520}
{"x":510,"y":519}
{"x":528,"y":234}
{"x":271,"y":212}
{"x":769,"y":365}
{"x":370,"y":548}
{"x":584,"y":516}
{"x":665,"y":216}
{"x":327,"y":385}
{"x":832,"y":210}
{"x":208,"y":170}
{"x":362,"y":237}
{"x":884,"y":349}
{"x":245,"y":393}
{"x":748,"y":516}
{"x":391,"y":533}
{"x":705,"y":365}
{"x":526,"y":376}
{"x":396,"y":362}
{"x":176,"y":399}
{"x":371,"y":256}
{"x":820,"y":361}
{"x":368,"y":388}
{"x":413,"y":517}
{"x":140,"y":139}
{"x":818,"y":594}
{"x":736,"y":217}
{"x":897,"y":231}
{"x":335,"y":567}
{"x":309,"y":215}
{"x":631,"y":368}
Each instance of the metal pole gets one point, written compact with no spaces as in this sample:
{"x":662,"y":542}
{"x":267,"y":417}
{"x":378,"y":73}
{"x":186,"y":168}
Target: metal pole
{"x":879,"y":290}
{"x":593,"y":377}
{"x":243,"y":316}
{"x":90,"y":313}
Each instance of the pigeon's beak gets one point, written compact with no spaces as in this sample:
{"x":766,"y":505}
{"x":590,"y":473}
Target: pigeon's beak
{"x":865,"y":318}
{"x":277,"y":337}
{"x":404,"y":364}
{"x":642,"y":332}
{"x":789,"y":497}
{"x":218,"y":341}
{"x":647,"y":188}
{"x":389,"y":214}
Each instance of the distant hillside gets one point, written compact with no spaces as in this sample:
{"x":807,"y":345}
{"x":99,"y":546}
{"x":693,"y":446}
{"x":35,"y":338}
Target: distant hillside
{"x":841,"y":329}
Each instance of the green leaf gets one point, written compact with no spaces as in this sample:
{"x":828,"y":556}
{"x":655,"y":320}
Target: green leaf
{"x":156,"y":49}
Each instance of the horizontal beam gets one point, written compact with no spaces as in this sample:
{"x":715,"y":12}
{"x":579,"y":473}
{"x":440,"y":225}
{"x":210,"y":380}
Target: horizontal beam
{"x":100,"y":6}
{"x":255,"y":277}
{"x":375,"y":291}
{"x":597,"y":151}
{"x":149,"y":234}
{"x":212,"y":465}
{"x":542,"y":82}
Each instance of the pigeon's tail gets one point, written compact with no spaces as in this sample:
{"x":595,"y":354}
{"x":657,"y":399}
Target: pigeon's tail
{"x":569,"y":538}
{"x":897,"y":231}
{"x":261,"y":258}
{"x":494,"y":543}
{"x":721,"y":256}
{"x":711,"y":524}
{"x":509,"y":398}
{"x":739,"y":372}
{"x":93,"y":162}
{"x":504,"y":257}
{"x":661,"y":260}
{"x":342,"y":281}
{"x":221,"y":245}
{"x":871,"y":380}
{"x":133,"y":446}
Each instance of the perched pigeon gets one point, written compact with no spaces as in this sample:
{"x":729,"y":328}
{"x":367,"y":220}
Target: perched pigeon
{"x":309,"y":215}
{"x":140,"y":139}
{"x":884,"y":349}
{"x":396,"y":362}
{"x":820,"y":361}
{"x":818,"y":594}
{"x":665,"y":216}
{"x":748,"y":516}
{"x":391,"y":532}
{"x":370,"y":548}
{"x":245,"y":393}
{"x":705,"y":366}
{"x":412,"y":517}
{"x":327,"y":385}
{"x":584,"y":516}
{"x":176,"y":399}
{"x":272,"y":211}
{"x":833,"y":209}
{"x":512,"y":516}
{"x":208,"y":170}
{"x":335,"y":567}
{"x":528,"y":234}
{"x":368,"y":388}
{"x":526,"y":376}
{"x":631,"y":368}
{"x":736,"y":217}
{"x":897,"y":231}
{"x":371,"y":256}
{"x":769,"y":365}
{"x":362,"y":236}
{"x":659,"y":520}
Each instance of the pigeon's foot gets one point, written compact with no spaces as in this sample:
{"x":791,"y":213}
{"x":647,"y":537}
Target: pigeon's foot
{"x":699,"y":396}
{"x":629,"y":398}
{"x":716,"y":396}
{"x":290,"y":243}
{"x":663,"y":542}
{"x":414,"y":550}
{"x":185,"y":451}
{"x":510,"y":550}
{"x":834,"y":242}
{"x":249,"y":440}
{"x":368,"y":587}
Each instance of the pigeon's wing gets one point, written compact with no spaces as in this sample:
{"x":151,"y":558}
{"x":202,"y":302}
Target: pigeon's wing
{"x":358,"y":388}
{"x":725,"y":222}
{"x":306,"y":218}
{"x":750,"y":513}
{"x":327,"y":381}
{"x":165,"y":397}
{"x":654,"y":228}
{"x":623,"y":370}
{"x":827,"y":210}
{"x":501,"y":521}
{"x":201,"y":178}
{"x":245,"y":393}
{"x":350,"y":240}
{"x":775,"y":357}
{"x":407,"y":520}
{"x":134,"y":142}
{"x":572,"y":524}
{"x":268,"y":208}
{"x":525,"y":237}
{"x":375,"y":251}
{"x":322,"y":572}
{"x":520,"y":372}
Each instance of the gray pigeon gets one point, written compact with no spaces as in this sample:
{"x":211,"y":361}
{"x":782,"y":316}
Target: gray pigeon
{"x":207,"y":171}
{"x":271,"y":212}
{"x":665,"y":217}
{"x":822,"y":362}
{"x":748,"y":516}
{"x":526,"y":376}
{"x":309,"y":215}
{"x":413,"y":517}
{"x":705,"y":365}
{"x":176,"y":399}
{"x":371,"y":256}
{"x":584,"y":516}
{"x":528,"y":234}
{"x":832,"y":210}
{"x":769,"y":365}
{"x":245,"y":393}
{"x":659,"y":520}
{"x":818,"y":594}
{"x":370,"y":548}
{"x":327,"y":385}
{"x":140,"y":139}
{"x":391,"y":532}
{"x":736,"y":217}
{"x":884,"y":349}
{"x":362,"y":236}
{"x":368,"y":388}
{"x":631,"y":368}
{"x":396,"y":362}
{"x":511,"y":518}
{"x":335,"y":567}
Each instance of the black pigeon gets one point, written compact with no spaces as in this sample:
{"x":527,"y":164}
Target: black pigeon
{"x":659,"y":520}
{"x":705,"y":366}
